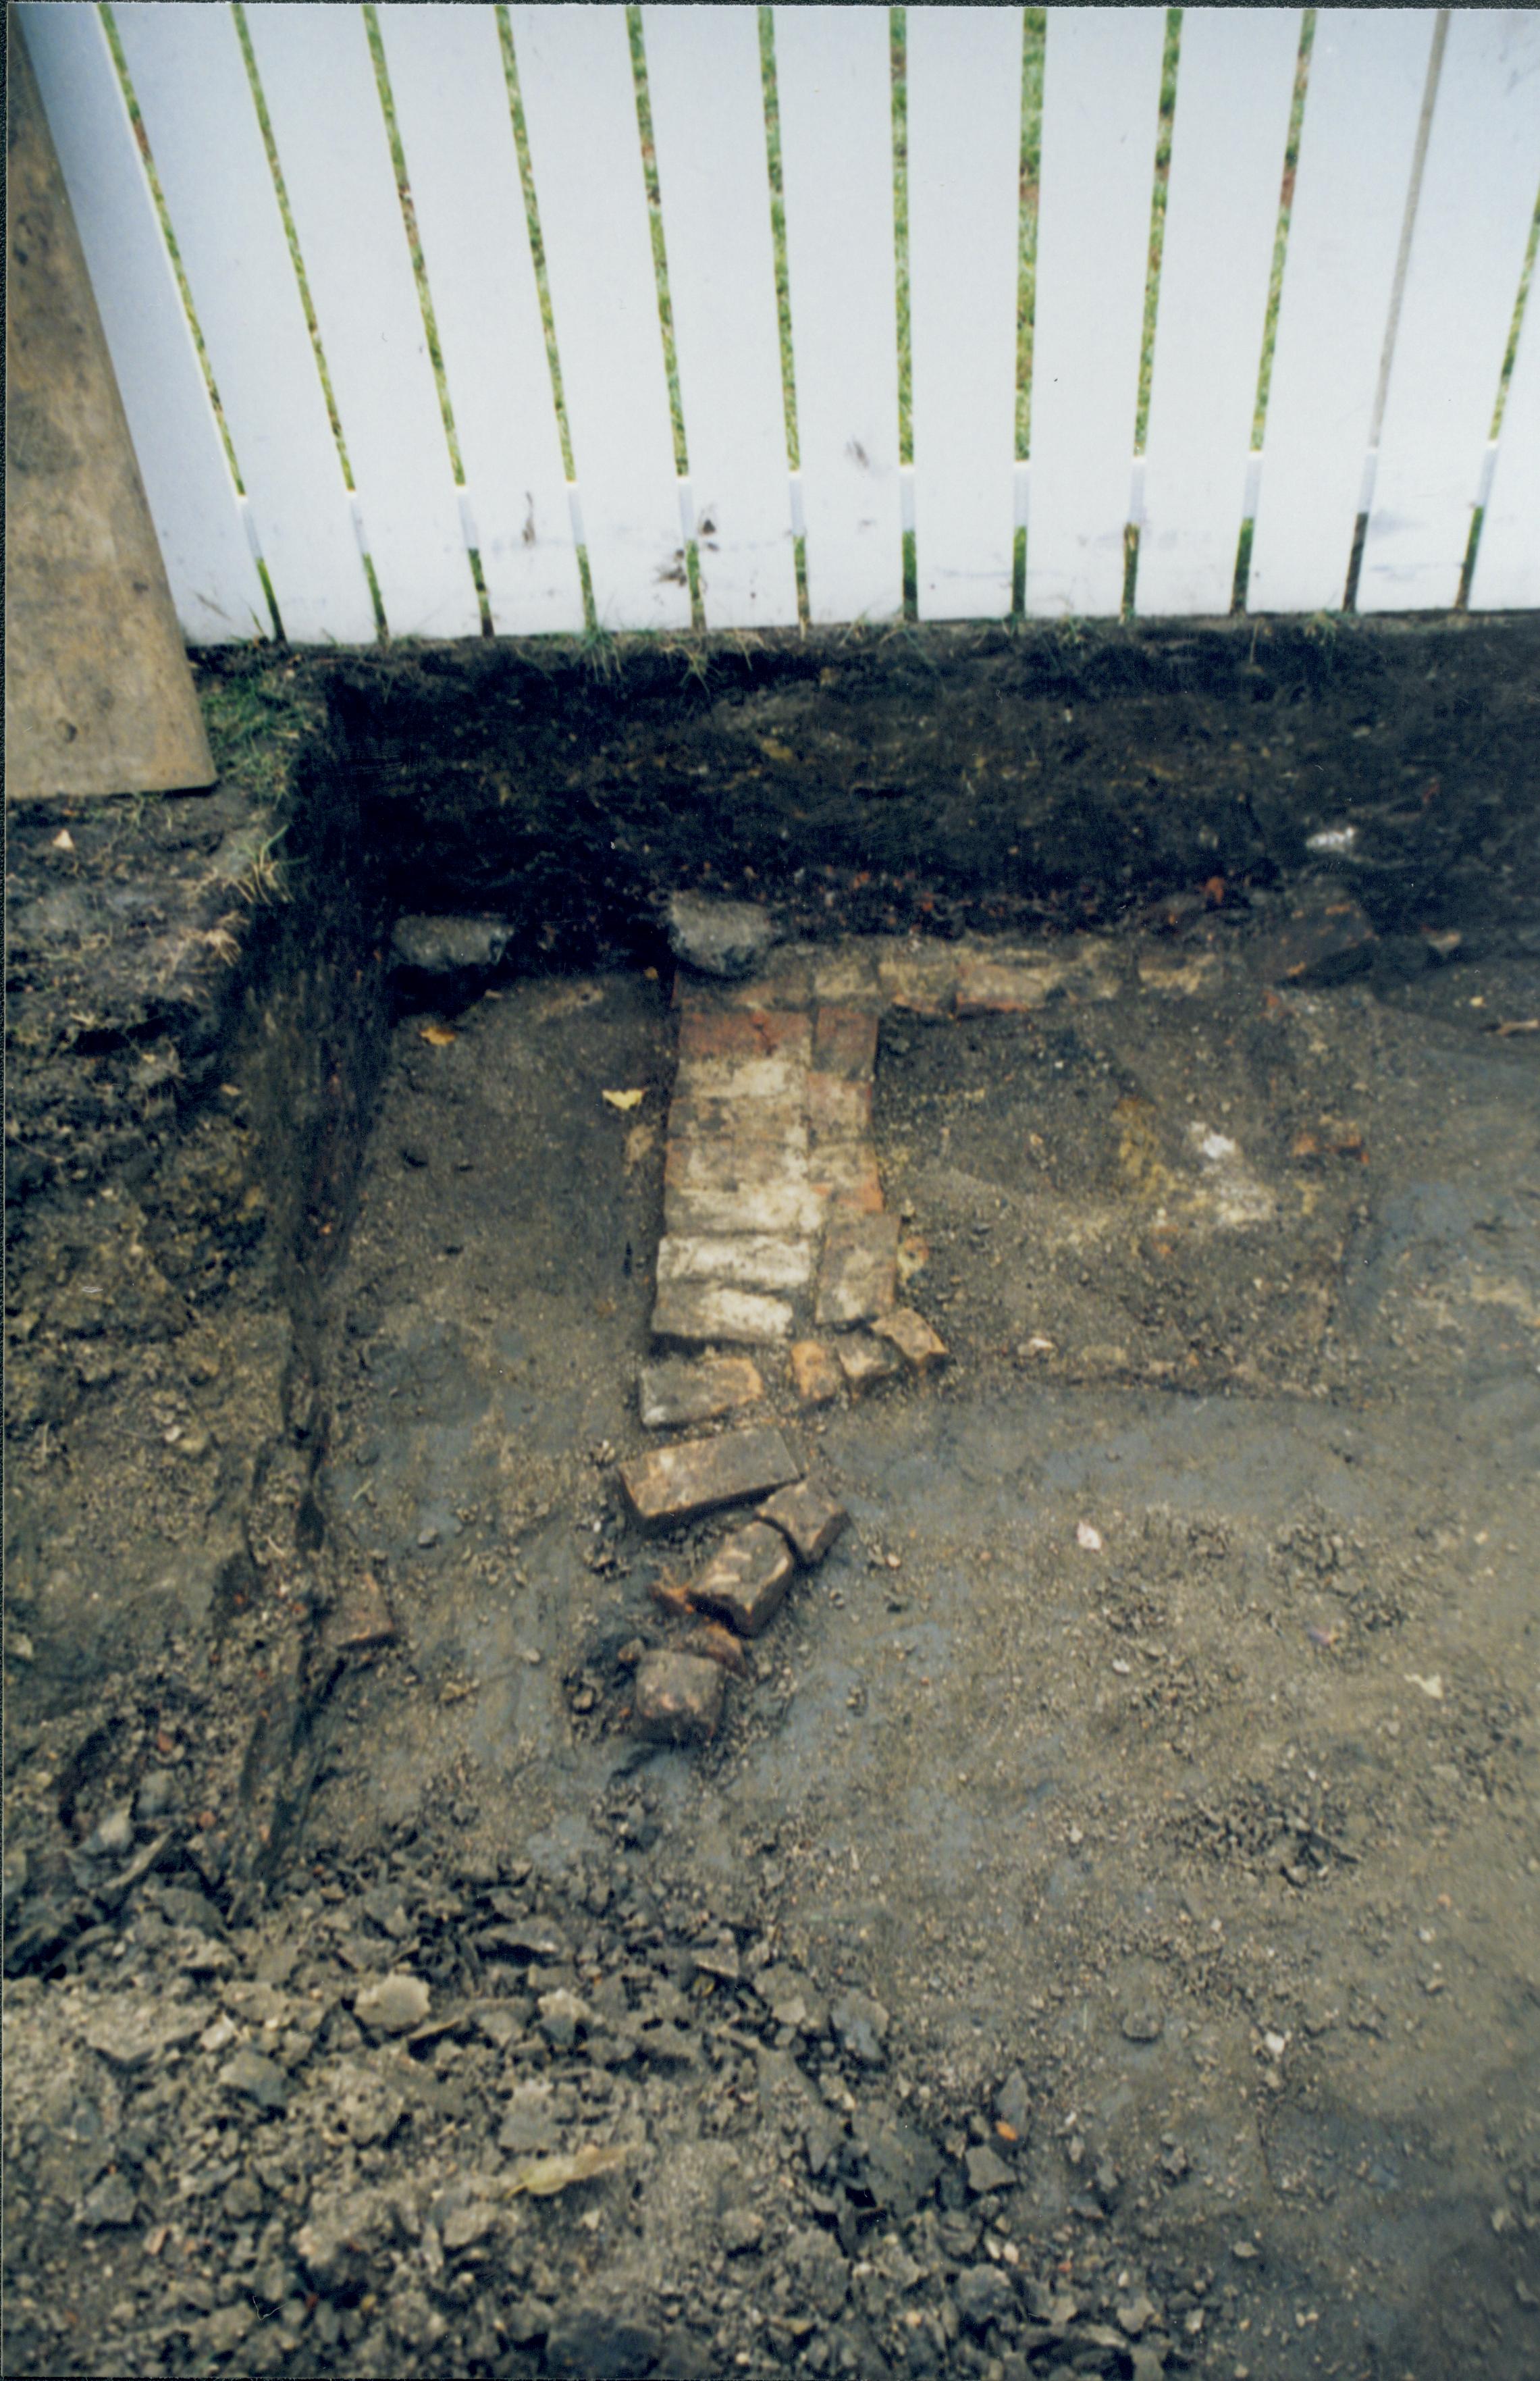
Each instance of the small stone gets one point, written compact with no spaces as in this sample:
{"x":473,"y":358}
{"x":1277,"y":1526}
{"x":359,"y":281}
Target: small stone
{"x":920,"y":1347}
{"x":987,"y":2172}
{"x":158,"y":1793}
{"x":741,"y":2229}
{"x":746,"y":1579}
{"x":719,"y":1960}
{"x":699,"y":1312}
{"x":702,"y":1473}
{"x":398,"y":2004}
{"x":255,"y":2078}
{"x":676,"y":1698}
{"x":865,"y":1361}
{"x":808,"y":1516}
{"x":860,"y":2025}
{"x":817,"y":1377}
{"x":112,"y":2202}
{"x":589,"y":2339}
{"x":1013,"y":2104}
{"x":859,"y":1269}
{"x":684,"y":1389}
{"x":362,"y":1616}
{"x":719,"y":938}
{"x":1144,"y":2024}
{"x":1136,"y":2314}
{"x":984,"y":2295}
{"x":561,"y":2014}
{"x":116,"y":1834}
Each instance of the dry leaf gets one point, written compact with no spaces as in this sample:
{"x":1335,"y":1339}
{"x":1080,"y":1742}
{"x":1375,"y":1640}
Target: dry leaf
{"x":439,"y":1035}
{"x":624,"y":1099}
{"x":1089,"y":1537}
{"x":1433,"y":1687}
{"x":542,"y":2177}
{"x":63,"y":841}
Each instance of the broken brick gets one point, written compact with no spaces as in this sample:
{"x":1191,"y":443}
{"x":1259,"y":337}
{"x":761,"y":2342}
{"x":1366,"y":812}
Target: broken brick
{"x":918,"y":1345}
{"x":845,"y":1043}
{"x":865,"y":1361}
{"x":704,"y":1310}
{"x":817,"y":1377}
{"x":808,"y":1516}
{"x":670,"y":1482}
{"x":746,"y":1579}
{"x":677,"y":1697}
{"x":680,"y":1390}
{"x":858,"y":1273}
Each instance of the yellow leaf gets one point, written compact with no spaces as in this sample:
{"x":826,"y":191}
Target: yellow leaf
{"x":624,"y":1099}
{"x":439,"y":1035}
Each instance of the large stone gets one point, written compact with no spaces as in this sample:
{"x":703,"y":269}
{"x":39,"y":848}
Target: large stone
{"x":859,"y":1270}
{"x":699,"y":1312}
{"x":684,"y":1390}
{"x":720,"y":938}
{"x":676,"y":1698}
{"x":808,"y":1516}
{"x":745,"y":1581}
{"x":698,"y":1474}
{"x":440,"y":950}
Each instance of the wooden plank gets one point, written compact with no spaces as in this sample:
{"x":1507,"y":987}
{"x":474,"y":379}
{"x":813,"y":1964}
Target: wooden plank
{"x":324,"y":103}
{"x":964,"y":90}
{"x":585,"y":152}
{"x":190,"y":79}
{"x":1506,"y":576}
{"x":1235,"y":85}
{"x":1462,"y":275}
{"x":1101,"y":111}
{"x":191,"y":496}
{"x":451,"y":100}
{"x":834,"y":92}
{"x":1368,"y":69}
{"x":708,"y":126}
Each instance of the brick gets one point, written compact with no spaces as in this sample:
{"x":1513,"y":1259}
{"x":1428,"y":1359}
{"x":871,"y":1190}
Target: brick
{"x":848,"y":975}
{"x":847,"y":1171}
{"x":750,"y":1034}
{"x":748,"y":1260}
{"x":808,"y":1516}
{"x":746,"y":1579}
{"x":698,"y":1474}
{"x":921,"y":978}
{"x":837,"y":1110}
{"x":732,"y":1165}
{"x":682,"y":1390}
{"x":777,"y":1207}
{"x":817,"y":1377}
{"x":845,"y":1042}
{"x":784,"y":982}
{"x":701,"y":1309}
{"x":865,"y":1361}
{"x":720,"y":1117}
{"x":677,"y":1698}
{"x":1004,"y":988}
{"x":699,"y":1080}
{"x":858,"y":1272}
{"x":918,"y":1345}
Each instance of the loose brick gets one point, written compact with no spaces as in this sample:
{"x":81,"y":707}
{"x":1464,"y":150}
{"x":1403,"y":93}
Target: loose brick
{"x":746,"y":1579}
{"x":701,"y":1311}
{"x":817,"y":1377}
{"x":858,"y":1273}
{"x":837,"y":1110}
{"x":772,"y":1207}
{"x":677,"y":1698}
{"x":808,"y":1516}
{"x":698,"y":1474}
{"x":845,"y":1042}
{"x":681,"y":1390}
{"x":748,"y":1260}
{"x":865,"y":1361}
{"x":920,"y":1347}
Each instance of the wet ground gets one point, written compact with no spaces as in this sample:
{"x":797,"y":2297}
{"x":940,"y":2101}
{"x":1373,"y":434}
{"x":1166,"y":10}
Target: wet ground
{"x":1103,"y":1936}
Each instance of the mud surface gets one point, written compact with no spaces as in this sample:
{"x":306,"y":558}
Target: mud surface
{"x":1103,"y":1937}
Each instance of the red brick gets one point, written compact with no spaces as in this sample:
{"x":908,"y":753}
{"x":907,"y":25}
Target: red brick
{"x":845,"y":1042}
{"x":749,"y":1033}
{"x":746,"y":1579}
{"x":857,"y":1273}
{"x":817,"y":1376}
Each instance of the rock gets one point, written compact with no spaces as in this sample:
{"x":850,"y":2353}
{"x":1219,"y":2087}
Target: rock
{"x":561,"y":2014}
{"x":677,"y":1698}
{"x":745,"y":1581}
{"x":982,"y":2295}
{"x":900,"y":2164}
{"x":398,"y":2004}
{"x":821,"y":2271}
{"x":814,"y":1369}
{"x":1143,"y":2023}
{"x":362,"y":1616}
{"x":600,"y":2336}
{"x":447,"y":952}
{"x":1013,"y":2104}
{"x":339,"y":2246}
{"x":1148,"y":2363}
{"x":808,"y":1516}
{"x":1136,"y":2314}
{"x":864,"y":1361}
{"x":791,"y":1999}
{"x":129,"y":2036}
{"x":253,"y":2077}
{"x":987,"y":2172}
{"x":919,"y":1345}
{"x":703,"y":1473}
{"x":859,"y":1269}
{"x":719,"y":938}
{"x":685,"y":1390}
{"x":530,"y":2122}
{"x":112,"y":2202}
{"x":158,"y":1793}
{"x":116,"y":1834}
{"x":860,"y":2024}
{"x":741,"y":2230}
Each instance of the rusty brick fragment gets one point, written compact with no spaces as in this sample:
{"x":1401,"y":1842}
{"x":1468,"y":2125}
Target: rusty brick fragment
{"x":808,"y":1516}
{"x":864,"y":1361}
{"x":858,"y":1273}
{"x":681,"y":1390}
{"x":746,"y":1579}
{"x":920,"y":1347}
{"x":670,"y":1482}
{"x":677,"y":1698}
{"x":817,"y":1377}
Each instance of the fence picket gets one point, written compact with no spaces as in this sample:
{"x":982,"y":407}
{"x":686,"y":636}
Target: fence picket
{"x":451,"y":101}
{"x":1506,"y":576}
{"x":193,"y":499}
{"x":318,"y":80}
{"x":190,"y":79}
{"x":1235,"y":86}
{"x":964,"y":174}
{"x":585,"y":152}
{"x":1368,"y":69}
{"x":1100,"y":105}
{"x":1479,"y":175}
{"x":708,"y":126}
{"x":835,"y":90}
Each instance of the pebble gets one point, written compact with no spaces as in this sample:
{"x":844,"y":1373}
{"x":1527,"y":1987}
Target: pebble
{"x":398,"y":2004}
{"x":817,"y":1376}
{"x":984,"y":2295}
{"x":112,"y":2202}
{"x":987,"y":2172}
{"x":1144,"y":2024}
{"x":253,"y":2077}
{"x":860,"y":2024}
{"x":864,"y":1361}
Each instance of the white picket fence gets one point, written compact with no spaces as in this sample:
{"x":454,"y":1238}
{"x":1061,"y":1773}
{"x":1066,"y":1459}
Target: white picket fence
{"x":1418,"y":167}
